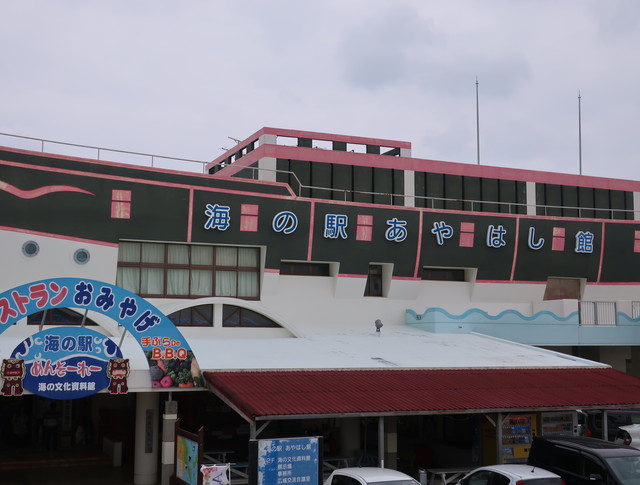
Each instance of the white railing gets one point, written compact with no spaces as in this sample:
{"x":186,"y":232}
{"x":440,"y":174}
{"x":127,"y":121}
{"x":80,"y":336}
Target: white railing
{"x":600,"y":313}
{"x":635,"y":309}
{"x":100,"y":153}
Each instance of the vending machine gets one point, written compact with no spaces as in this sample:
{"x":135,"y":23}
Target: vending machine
{"x":517,"y":434}
{"x":559,"y":424}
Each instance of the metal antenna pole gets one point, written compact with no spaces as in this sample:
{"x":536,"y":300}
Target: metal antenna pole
{"x":579,"y":134}
{"x":477,"y":122}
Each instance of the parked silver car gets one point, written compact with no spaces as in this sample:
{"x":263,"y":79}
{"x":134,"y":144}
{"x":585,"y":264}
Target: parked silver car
{"x":511,"y":475}
{"x":629,"y":435}
{"x":369,"y":476}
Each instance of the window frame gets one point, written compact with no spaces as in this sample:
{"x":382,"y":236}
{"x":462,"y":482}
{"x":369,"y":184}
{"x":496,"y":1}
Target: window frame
{"x":214,"y":268}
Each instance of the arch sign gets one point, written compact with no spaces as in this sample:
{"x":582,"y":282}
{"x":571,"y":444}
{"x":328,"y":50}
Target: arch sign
{"x":70,"y":362}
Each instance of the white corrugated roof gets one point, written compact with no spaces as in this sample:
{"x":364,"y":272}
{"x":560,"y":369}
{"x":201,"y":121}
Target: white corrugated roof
{"x":399,"y":347}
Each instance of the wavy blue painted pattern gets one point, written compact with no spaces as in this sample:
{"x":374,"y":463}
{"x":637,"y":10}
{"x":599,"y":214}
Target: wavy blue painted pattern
{"x":477,"y":315}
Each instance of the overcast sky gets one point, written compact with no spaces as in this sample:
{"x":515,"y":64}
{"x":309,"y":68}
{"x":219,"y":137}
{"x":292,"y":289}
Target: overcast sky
{"x":178,"y":78}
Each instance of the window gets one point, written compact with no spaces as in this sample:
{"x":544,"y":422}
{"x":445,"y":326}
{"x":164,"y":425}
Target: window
{"x":235,"y":316}
{"x":593,"y":467}
{"x":196,"y":316}
{"x":482,"y":477}
{"x":81,"y":256}
{"x":566,"y":459}
{"x":499,"y":479}
{"x":304,"y":268}
{"x":30,"y":249}
{"x":58,"y":316}
{"x":188,"y":271}
{"x":443,"y":274}
{"x":343,"y":480}
{"x":374,"y":281}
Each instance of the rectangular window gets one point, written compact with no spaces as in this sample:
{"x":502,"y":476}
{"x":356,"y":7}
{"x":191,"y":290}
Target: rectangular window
{"x":188,"y":271}
{"x":304,"y":268}
{"x":374,"y":281}
{"x":443,"y":274}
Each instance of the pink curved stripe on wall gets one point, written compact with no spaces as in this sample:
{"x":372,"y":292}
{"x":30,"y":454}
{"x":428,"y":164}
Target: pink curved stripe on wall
{"x":39,"y":192}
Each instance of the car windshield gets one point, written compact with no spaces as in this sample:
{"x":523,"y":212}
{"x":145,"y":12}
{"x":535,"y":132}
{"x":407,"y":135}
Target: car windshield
{"x":626,"y":469}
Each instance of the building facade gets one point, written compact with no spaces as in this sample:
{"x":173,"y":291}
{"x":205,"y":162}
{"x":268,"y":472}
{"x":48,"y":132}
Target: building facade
{"x":316,"y":253}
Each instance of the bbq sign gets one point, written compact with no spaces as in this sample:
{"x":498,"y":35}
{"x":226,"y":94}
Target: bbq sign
{"x":68,"y":362}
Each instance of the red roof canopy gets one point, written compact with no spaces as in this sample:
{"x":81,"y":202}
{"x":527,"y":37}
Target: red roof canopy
{"x":308,"y":393}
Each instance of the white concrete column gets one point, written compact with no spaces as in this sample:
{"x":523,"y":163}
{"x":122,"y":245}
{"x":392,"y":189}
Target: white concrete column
{"x":268,"y":140}
{"x":409,"y":188}
{"x":167,"y":458}
{"x":636,"y":206}
{"x":530,"y":188}
{"x":145,"y":468}
{"x":267,"y":169}
{"x":350,"y":438}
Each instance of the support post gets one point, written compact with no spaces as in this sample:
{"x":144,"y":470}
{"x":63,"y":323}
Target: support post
{"x":168,"y":440}
{"x":145,"y":469}
{"x":381,"y":441}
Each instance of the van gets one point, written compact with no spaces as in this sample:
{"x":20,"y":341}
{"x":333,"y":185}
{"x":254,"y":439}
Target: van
{"x":586,"y":461}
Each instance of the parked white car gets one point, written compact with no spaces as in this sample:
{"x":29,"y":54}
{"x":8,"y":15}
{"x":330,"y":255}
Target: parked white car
{"x":369,"y":475}
{"x":510,"y":475}
{"x":629,"y":435}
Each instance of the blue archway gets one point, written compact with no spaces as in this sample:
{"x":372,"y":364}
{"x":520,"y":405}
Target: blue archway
{"x":166,"y":349}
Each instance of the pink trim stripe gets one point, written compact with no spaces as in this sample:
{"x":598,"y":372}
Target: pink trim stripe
{"x":150,"y":182}
{"x":601,"y":253}
{"x":416,"y":268}
{"x":515,"y":249}
{"x":312,"y":217}
{"x":190,"y":217}
{"x":58,"y":236}
{"x":40,"y":191}
{"x":335,"y":137}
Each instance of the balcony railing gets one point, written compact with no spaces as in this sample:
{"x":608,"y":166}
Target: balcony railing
{"x":598,"y":313}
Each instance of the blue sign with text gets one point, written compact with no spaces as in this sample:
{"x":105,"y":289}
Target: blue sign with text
{"x":66,"y":362}
{"x":288,"y":460}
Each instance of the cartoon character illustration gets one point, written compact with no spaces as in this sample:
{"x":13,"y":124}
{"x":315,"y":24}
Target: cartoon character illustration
{"x":118,"y":371}
{"x":12,"y":371}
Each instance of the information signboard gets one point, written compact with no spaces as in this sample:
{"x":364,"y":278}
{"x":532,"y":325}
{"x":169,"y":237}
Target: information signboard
{"x":286,"y":461}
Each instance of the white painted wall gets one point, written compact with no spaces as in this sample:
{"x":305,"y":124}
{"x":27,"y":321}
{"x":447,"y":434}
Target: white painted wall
{"x":299,"y":303}
{"x":54,"y":259}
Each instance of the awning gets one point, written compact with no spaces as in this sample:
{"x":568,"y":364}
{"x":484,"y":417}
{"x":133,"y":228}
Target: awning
{"x":261,"y":395}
